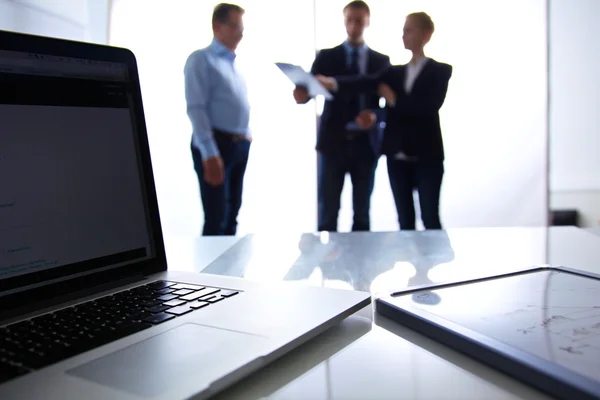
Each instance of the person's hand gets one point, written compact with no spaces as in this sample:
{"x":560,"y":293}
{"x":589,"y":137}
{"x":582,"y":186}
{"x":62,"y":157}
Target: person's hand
{"x":328,"y":82}
{"x":214,"y":171}
{"x":301,"y":95}
{"x":387,"y":93}
{"x":366,"y":119}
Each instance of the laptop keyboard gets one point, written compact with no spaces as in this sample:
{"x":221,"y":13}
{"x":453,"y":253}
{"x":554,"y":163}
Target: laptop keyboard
{"x":38,"y":342}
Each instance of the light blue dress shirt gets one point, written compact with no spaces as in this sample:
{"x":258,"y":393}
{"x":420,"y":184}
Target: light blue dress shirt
{"x":362,"y":67}
{"x":216,"y":96}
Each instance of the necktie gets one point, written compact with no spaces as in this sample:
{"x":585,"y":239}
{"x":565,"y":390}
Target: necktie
{"x":357,"y":103}
{"x":354,"y":67}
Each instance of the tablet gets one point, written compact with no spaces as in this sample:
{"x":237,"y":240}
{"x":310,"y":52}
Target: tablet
{"x":540,"y":325}
{"x":300,"y":77}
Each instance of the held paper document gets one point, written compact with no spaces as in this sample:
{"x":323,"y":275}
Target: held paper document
{"x":300,"y":77}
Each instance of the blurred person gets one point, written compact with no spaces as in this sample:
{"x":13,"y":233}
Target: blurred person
{"x":349,"y":137}
{"x":218,"y":108}
{"x":412,"y":140}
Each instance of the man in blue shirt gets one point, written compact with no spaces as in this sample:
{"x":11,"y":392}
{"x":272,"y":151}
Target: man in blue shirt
{"x":218,"y":108}
{"x":349,"y":134}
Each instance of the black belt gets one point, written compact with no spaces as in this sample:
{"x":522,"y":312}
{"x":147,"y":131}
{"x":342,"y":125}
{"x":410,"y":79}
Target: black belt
{"x":352,"y":135}
{"x":234,"y":137}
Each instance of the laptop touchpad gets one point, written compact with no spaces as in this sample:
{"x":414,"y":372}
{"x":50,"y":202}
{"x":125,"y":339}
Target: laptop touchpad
{"x":188,"y":353}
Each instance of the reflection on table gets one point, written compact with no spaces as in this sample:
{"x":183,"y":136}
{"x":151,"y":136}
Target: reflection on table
{"x":380,"y":262}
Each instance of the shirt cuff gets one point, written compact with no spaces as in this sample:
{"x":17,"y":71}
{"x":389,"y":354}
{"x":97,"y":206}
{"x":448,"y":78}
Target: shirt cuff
{"x":208,"y":149}
{"x":335,"y":87}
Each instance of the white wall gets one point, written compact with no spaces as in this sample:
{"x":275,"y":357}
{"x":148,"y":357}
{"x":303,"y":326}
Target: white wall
{"x":574,"y":107}
{"x":84,"y":20}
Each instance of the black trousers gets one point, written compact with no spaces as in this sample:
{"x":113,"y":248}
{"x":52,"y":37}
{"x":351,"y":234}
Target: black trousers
{"x":222,"y":203}
{"x":426,"y":178}
{"x":357,"y":159}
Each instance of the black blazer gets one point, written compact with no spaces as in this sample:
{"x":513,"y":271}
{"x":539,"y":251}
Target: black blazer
{"x":413,"y":124}
{"x":336,"y":113}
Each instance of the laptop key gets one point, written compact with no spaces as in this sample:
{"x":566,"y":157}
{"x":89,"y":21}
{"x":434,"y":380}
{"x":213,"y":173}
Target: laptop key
{"x":159,"y":318}
{"x":157,"y":309}
{"x":130,"y":329}
{"x":174,"y":303}
{"x":187,"y":286}
{"x":165,"y":291}
{"x":228,"y":293}
{"x":208,"y":298}
{"x":180,"y":310}
{"x":183,"y":292}
{"x":215,"y":299}
{"x":141,"y":315}
{"x":199,"y":304}
{"x":152,"y":303}
{"x":161,"y":284}
{"x":166,"y":297}
{"x":209,"y":290}
{"x":193,"y":296}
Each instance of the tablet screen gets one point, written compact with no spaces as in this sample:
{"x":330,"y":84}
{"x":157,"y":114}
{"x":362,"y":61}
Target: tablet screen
{"x":552,"y":314}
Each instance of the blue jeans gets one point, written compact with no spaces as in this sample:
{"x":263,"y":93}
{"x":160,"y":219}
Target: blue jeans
{"x":222,"y":203}
{"x":426,"y":178}
{"x":358,"y":159}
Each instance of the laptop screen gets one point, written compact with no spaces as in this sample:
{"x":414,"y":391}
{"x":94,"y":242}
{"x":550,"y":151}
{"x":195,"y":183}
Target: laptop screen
{"x":71,"y":192}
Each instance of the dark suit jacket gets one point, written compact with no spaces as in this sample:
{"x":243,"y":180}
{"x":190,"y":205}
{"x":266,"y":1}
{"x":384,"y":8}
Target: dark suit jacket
{"x":413,"y":124}
{"x":336,"y":113}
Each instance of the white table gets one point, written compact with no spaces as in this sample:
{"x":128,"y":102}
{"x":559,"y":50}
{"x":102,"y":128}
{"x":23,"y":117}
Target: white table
{"x":594,"y":230}
{"x":367,"y":356}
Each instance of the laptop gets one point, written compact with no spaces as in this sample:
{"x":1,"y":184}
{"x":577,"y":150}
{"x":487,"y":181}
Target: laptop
{"x":87,"y":306}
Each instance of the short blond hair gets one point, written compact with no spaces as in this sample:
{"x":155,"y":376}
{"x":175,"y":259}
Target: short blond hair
{"x":423,"y":20}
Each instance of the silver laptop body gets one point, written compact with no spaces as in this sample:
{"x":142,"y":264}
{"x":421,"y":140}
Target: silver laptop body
{"x":87,"y":307}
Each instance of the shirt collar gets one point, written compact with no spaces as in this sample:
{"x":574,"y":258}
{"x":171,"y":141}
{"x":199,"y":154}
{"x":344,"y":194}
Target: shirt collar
{"x":220,"y":50}
{"x":420,"y":62}
{"x":363,"y":48}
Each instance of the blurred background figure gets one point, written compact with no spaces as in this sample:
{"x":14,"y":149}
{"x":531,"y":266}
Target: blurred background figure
{"x":412,"y":139}
{"x":348,"y":138}
{"x":218,"y":108}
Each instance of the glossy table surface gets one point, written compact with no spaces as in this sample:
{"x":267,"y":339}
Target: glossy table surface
{"x":368,"y":356}
{"x":595,"y":230}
